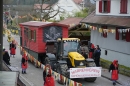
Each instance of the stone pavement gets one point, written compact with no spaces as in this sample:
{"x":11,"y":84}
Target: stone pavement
{"x":123,"y":80}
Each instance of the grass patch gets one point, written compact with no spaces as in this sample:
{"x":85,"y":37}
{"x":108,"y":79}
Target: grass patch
{"x":122,"y":69}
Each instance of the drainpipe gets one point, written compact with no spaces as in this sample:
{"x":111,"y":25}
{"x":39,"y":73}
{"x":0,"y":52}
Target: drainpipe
{"x":1,"y":35}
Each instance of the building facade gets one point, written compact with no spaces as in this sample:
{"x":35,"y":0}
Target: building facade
{"x":110,"y":29}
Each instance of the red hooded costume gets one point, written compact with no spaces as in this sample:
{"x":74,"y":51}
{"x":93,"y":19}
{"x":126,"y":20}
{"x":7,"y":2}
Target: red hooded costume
{"x":114,"y":68}
{"x":48,"y":78}
{"x":12,"y":48}
{"x":25,"y":64}
{"x":91,"y":50}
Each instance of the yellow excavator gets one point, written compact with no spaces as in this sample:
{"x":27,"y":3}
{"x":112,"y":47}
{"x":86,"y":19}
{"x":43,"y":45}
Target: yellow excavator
{"x":64,"y":53}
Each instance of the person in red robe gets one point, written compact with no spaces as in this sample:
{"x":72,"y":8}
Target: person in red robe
{"x":91,"y":50}
{"x":12,"y":48}
{"x":47,"y":76}
{"x":24,"y":63}
{"x":114,"y":69}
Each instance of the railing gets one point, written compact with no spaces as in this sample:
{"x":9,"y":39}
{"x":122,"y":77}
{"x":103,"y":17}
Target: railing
{"x":6,"y":68}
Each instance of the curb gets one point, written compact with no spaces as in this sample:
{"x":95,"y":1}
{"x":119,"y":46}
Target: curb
{"x":110,"y":79}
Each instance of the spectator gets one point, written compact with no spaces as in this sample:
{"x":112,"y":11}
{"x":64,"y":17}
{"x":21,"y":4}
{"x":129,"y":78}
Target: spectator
{"x":6,"y":57}
{"x":84,"y":51}
{"x":91,"y":50}
{"x":96,"y":55}
{"x":114,"y":69}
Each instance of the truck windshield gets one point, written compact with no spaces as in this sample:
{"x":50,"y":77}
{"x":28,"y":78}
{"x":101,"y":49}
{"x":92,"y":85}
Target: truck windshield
{"x":70,"y":46}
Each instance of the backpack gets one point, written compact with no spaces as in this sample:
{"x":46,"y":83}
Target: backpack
{"x":49,"y":81}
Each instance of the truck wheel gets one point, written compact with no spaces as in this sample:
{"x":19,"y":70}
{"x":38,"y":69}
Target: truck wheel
{"x":47,"y":61}
{"x":90,"y":79}
{"x":62,"y":69}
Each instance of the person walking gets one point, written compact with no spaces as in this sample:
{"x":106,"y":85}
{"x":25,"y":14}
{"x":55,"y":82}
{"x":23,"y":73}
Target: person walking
{"x":47,"y":76}
{"x":6,"y":57}
{"x":12,"y":48}
{"x":114,"y":71}
{"x":96,"y":55}
{"x":24,"y":63}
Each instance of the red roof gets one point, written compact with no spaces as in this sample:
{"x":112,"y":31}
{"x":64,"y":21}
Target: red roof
{"x":77,"y":1}
{"x":71,"y":21}
{"x":41,"y":24}
{"x":107,"y":20}
{"x":44,"y":6}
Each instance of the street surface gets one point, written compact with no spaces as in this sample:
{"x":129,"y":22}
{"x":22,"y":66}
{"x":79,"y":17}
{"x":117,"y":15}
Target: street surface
{"x":34,"y":76}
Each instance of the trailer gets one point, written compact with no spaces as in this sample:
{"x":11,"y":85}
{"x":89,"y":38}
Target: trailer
{"x":35,"y":34}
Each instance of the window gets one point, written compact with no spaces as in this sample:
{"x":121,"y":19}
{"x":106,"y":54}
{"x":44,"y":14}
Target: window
{"x":104,"y":31}
{"x":122,"y":34}
{"x":32,"y":35}
{"x":26,"y":31}
{"x":104,"y":6}
{"x":123,"y":6}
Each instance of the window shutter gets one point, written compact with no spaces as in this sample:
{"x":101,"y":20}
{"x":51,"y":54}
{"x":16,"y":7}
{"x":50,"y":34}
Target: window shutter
{"x":108,"y":6}
{"x":100,"y":6}
{"x":123,"y":6}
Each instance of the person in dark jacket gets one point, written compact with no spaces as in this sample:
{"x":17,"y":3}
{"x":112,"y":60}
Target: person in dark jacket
{"x":97,"y":53}
{"x":6,"y":57}
{"x":114,"y":69}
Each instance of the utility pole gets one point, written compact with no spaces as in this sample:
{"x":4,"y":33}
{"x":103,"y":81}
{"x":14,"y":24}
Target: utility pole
{"x":1,"y":35}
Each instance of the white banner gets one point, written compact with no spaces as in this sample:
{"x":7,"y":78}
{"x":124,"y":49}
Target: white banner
{"x":85,"y":72}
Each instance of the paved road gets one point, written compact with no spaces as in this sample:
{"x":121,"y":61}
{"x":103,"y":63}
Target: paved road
{"x":34,"y":75}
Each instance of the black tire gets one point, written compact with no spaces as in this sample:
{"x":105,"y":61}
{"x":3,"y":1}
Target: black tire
{"x":47,"y":61}
{"x":62,"y":69}
{"x":91,"y":79}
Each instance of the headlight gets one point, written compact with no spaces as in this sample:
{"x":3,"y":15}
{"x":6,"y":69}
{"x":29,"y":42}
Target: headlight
{"x":81,"y":64}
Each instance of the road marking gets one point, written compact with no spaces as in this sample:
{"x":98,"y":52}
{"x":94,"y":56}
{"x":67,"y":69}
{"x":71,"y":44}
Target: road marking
{"x":30,"y":83}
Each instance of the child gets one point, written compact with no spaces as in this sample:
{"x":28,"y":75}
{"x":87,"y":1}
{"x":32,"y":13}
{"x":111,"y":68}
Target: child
{"x":114,"y":68}
{"x":24,"y":63}
{"x":47,"y":75}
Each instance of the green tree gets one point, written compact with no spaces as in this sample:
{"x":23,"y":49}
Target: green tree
{"x":82,"y":13}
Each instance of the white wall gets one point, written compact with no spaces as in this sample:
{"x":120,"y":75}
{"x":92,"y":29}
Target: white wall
{"x":117,"y":49}
{"x":68,"y":5}
{"x":114,"y":9}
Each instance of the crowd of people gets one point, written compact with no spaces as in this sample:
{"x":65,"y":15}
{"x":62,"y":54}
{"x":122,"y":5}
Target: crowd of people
{"x":12,"y":51}
{"x":94,"y":52}
{"x":91,"y":51}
